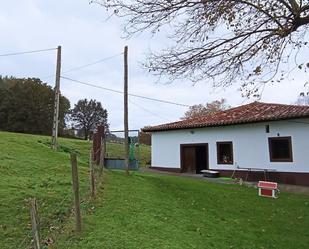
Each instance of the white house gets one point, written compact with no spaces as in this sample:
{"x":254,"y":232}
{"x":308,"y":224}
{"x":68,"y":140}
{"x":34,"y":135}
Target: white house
{"x":252,"y":141}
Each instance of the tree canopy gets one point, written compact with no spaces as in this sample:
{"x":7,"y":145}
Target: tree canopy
{"x":87,"y":115}
{"x":209,"y":108}
{"x":26,"y":105}
{"x":144,"y":137}
{"x":222,"y":41}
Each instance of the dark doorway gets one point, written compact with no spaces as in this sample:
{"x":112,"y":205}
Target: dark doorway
{"x":194,"y":157}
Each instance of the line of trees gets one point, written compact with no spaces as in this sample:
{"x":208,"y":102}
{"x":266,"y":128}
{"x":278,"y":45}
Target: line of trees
{"x":27,"y":106}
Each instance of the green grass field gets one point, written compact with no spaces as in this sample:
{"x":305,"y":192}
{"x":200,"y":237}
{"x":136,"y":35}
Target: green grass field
{"x":155,"y":211}
{"x":140,"y":211}
{"x":29,"y":168}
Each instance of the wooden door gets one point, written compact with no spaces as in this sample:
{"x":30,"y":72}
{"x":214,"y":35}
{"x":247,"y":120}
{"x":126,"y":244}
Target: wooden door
{"x":188,"y":159}
{"x":193,"y":157}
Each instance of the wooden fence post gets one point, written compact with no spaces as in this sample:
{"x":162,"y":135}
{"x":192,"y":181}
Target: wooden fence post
{"x":35,"y":223}
{"x":102,"y":156}
{"x":91,"y":175}
{"x":76,"y":193}
{"x":96,"y":147}
{"x":101,"y":132}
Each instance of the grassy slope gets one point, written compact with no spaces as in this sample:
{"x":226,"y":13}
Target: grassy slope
{"x":139,"y":211}
{"x":155,"y":211}
{"x":29,"y":168}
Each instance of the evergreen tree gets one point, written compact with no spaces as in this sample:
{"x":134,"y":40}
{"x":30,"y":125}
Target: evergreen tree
{"x":26,"y":106}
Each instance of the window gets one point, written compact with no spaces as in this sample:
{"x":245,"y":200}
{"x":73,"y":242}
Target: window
{"x":280,"y":149}
{"x":225,"y":152}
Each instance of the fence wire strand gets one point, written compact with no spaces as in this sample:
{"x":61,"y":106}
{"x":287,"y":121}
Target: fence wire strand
{"x":44,"y":223}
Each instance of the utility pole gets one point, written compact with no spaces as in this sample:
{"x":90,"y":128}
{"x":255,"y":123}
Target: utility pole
{"x":57,"y":97}
{"x":126,"y":126}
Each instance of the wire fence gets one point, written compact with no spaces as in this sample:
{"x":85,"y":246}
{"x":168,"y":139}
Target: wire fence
{"x":24,"y":241}
{"x":53,"y":216}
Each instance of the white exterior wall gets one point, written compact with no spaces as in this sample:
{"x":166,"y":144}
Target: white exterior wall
{"x":250,"y":145}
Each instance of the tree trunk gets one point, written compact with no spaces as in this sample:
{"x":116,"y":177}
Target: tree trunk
{"x":86,"y":133}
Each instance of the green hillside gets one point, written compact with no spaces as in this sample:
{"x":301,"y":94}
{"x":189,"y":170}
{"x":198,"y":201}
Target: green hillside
{"x":140,"y":211}
{"x":29,"y":168}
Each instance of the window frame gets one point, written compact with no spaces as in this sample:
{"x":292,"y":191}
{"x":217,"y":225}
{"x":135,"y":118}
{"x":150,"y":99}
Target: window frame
{"x":232,"y":152}
{"x":289,"y":139}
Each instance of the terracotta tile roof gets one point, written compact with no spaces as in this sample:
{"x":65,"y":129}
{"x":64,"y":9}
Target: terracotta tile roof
{"x":250,"y":113}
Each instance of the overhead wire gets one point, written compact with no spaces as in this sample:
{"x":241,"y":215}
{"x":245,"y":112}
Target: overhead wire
{"x":121,"y":92}
{"x":91,"y":64}
{"x":89,"y":84}
{"x":85,"y":65}
{"x":96,"y":86}
{"x":28,"y":52}
{"x":66,"y":71}
{"x":146,"y":110}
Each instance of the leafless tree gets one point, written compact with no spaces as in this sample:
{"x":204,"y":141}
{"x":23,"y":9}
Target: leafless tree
{"x":221,"y":40}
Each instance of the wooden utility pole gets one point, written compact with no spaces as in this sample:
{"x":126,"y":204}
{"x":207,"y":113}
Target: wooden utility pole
{"x":126,"y":126}
{"x":35,"y":225}
{"x":56,"y":104}
{"x":75,"y":184}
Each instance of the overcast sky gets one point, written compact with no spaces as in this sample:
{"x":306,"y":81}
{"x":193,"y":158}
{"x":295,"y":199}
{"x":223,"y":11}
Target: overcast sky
{"x":87,"y":36}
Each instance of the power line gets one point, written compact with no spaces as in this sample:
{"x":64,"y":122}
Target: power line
{"x":152,"y":113}
{"x":84,"y":66}
{"x":91,"y":64}
{"x":88,"y":84}
{"x":28,"y":52}
{"x":120,"y":92}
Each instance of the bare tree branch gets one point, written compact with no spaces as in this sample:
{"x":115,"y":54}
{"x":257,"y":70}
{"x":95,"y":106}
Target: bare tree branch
{"x":219,"y":40}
